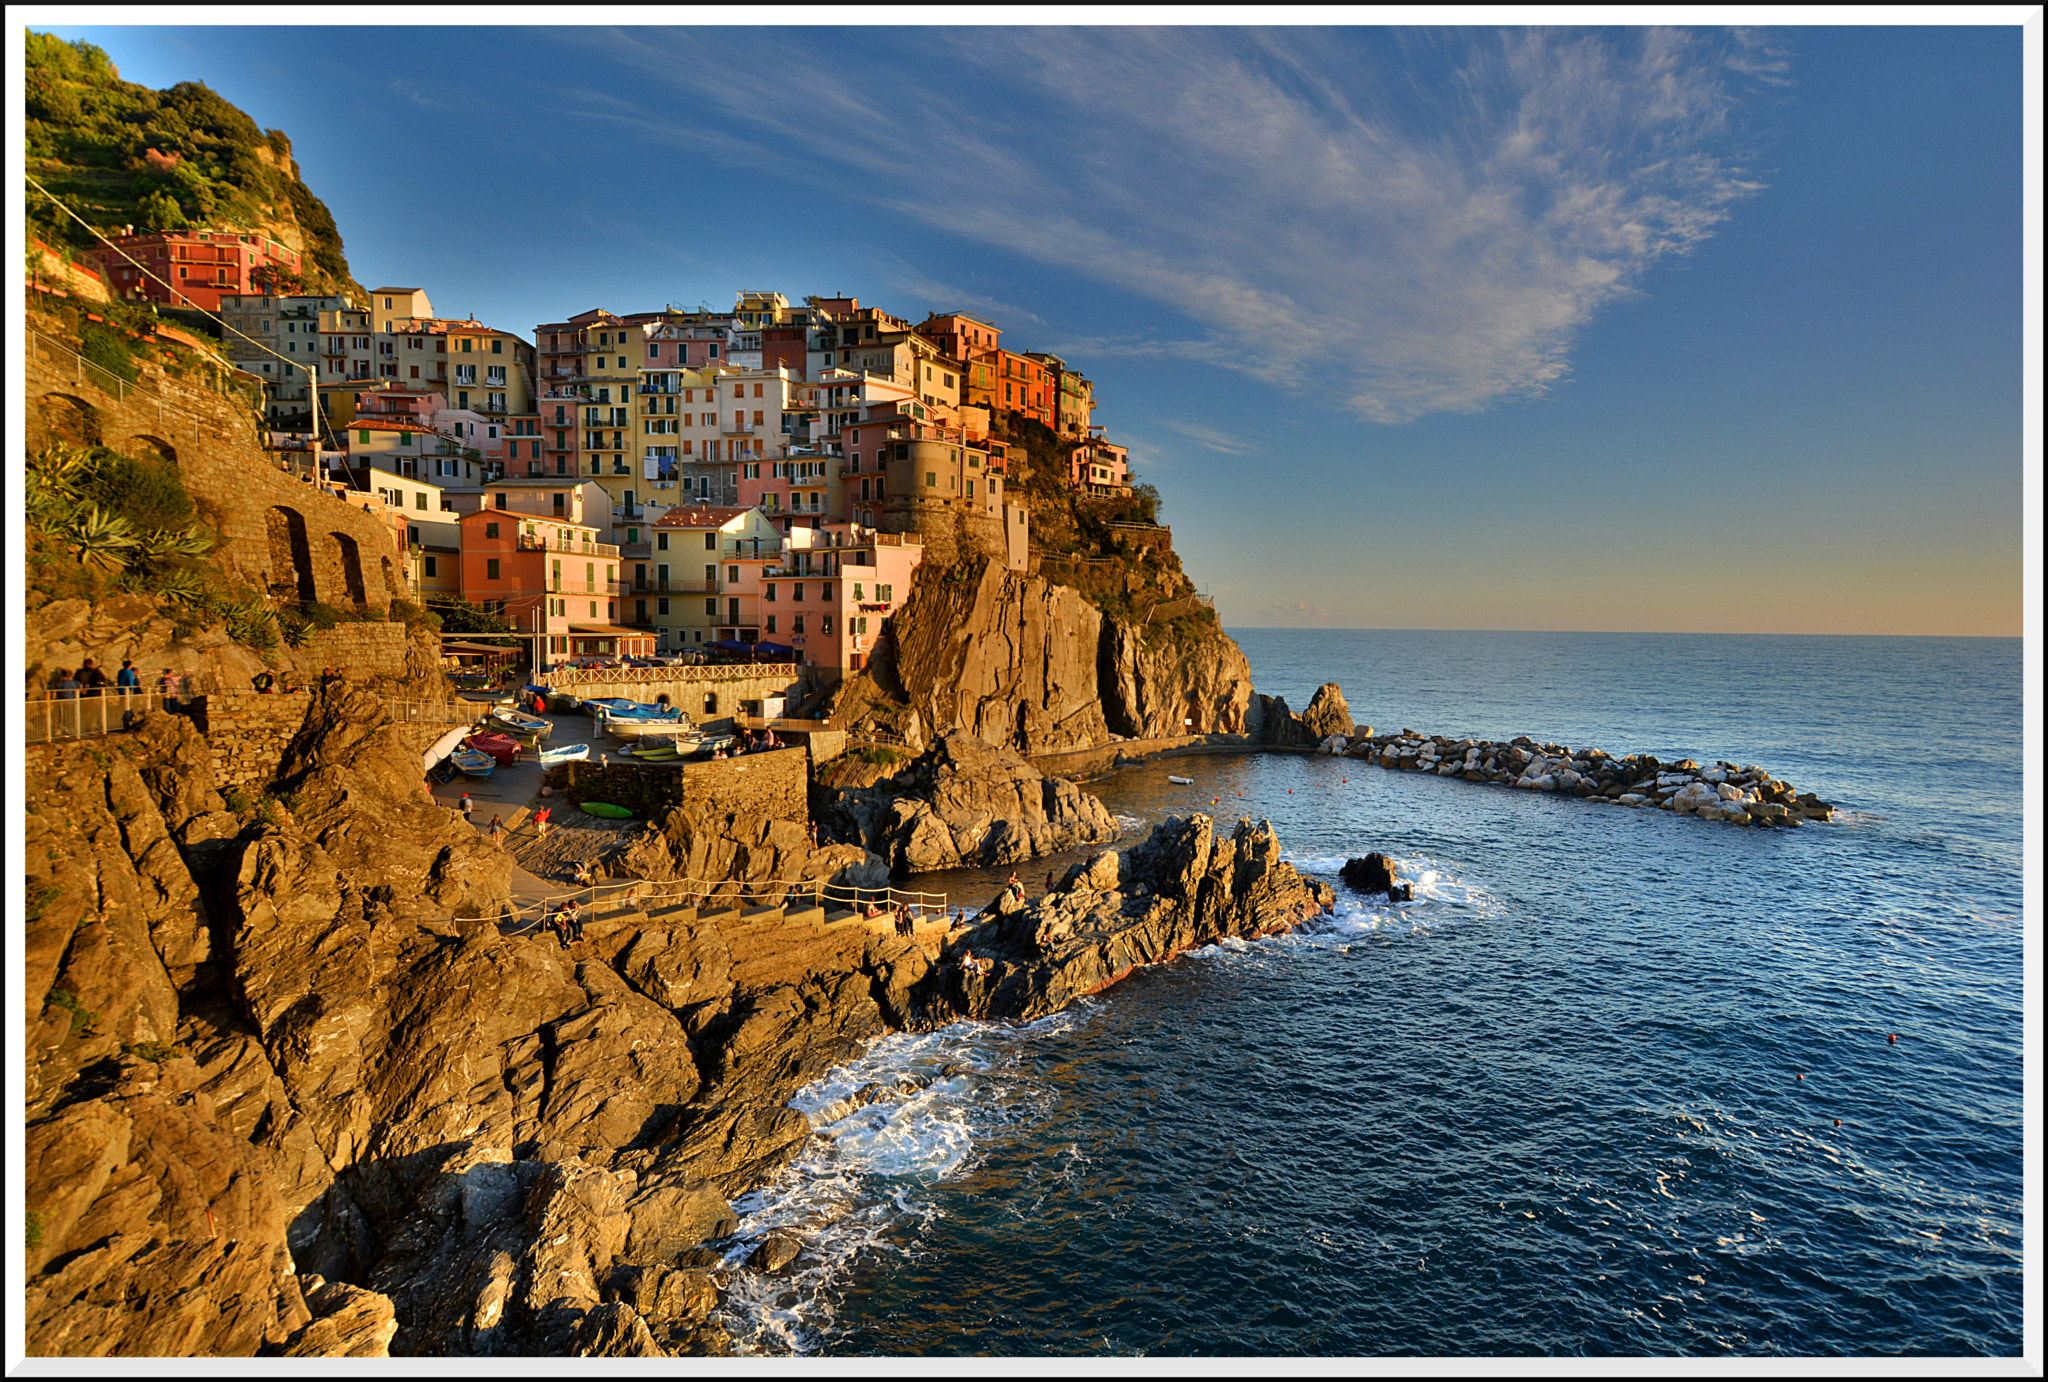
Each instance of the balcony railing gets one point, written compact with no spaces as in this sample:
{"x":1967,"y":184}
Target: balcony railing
{"x":606,"y":588}
{"x":538,"y":543}
{"x":657,"y":585}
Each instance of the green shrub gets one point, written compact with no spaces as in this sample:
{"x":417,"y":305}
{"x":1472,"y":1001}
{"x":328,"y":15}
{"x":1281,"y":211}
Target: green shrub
{"x":320,"y":616}
{"x":32,"y":1235}
{"x":158,"y":1051}
{"x":41,"y":893}
{"x":103,"y":346}
{"x":239,"y":801}
{"x":84,"y":1021}
{"x":878,"y":755}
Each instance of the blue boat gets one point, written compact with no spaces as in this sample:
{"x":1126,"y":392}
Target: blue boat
{"x":473,"y":763}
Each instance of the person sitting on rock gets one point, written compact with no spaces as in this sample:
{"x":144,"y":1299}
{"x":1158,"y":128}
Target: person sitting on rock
{"x":572,"y":918}
{"x":583,"y":875}
{"x":262,"y":681}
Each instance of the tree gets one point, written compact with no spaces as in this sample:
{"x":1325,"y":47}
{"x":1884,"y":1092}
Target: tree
{"x":160,"y":211}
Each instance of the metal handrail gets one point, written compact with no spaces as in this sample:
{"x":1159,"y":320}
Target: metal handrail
{"x":783,"y":892}
{"x":56,"y":715}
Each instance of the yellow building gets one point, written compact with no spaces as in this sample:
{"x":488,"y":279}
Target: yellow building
{"x":701,"y":576}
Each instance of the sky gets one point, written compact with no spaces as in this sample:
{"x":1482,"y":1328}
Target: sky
{"x":1675,"y":329}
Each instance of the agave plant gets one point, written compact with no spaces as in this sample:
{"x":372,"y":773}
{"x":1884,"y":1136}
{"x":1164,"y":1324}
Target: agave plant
{"x":181,"y":587}
{"x":100,"y":538}
{"x":175,"y":542}
{"x":248,"y":623}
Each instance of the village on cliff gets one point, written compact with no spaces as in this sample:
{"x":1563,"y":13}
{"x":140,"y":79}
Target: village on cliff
{"x":645,"y":484}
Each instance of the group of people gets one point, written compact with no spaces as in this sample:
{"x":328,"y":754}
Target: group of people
{"x":750,"y":742}
{"x":566,"y":922}
{"x":91,"y":680}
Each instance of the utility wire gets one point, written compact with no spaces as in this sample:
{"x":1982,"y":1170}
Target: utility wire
{"x":319,"y":418}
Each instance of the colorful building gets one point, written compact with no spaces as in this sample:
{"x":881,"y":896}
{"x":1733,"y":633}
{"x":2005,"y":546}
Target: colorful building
{"x":681,"y":588}
{"x":526,"y":558}
{"x":192,"y":268}
{"x":1099,"y":466}
{"x":834,"y":590}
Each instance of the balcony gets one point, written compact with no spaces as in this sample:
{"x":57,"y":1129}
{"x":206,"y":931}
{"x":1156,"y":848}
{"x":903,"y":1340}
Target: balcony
{"x":656,"y":585}
{"x":538,"y":543}
{"x":604,"y":589}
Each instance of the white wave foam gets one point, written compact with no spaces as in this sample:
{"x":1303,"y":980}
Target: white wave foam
{"x":1127,"y":823}
{"x":902,"y":1117}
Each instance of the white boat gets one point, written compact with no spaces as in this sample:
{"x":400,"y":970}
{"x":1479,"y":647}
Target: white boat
{"x":568,"y":753}
{"x":519,"y":722}
{"x":1183,"y":781}
{"x":678,"y":730}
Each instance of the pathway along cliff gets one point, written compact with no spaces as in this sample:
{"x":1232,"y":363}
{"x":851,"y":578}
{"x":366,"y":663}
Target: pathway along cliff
{"x":283,"y":1099}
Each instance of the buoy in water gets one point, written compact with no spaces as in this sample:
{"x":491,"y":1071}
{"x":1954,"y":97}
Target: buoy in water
{"x":1799,"y":1077}
{"x":1838,"y":1122}
{"x":1893,"y":1038}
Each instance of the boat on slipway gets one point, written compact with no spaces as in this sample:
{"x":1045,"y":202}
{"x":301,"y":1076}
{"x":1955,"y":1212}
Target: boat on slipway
{"x":473,"y":763}
{"x":519,"y":722}
{"x":568,"y":753}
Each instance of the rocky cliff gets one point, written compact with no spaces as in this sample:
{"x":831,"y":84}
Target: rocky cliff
{"x":1020,"y":661}
{"x":964,"y":802}
{"x":1183,"y":887}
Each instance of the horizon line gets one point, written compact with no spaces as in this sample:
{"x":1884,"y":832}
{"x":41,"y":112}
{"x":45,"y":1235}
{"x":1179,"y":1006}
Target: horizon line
{"x":1660,"y":633}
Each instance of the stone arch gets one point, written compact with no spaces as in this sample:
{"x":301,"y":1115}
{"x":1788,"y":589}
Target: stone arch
{"x":710,"y":702}
{"x":142,"y":444}
{"x":71,"y":419}
{"x":662,"y":699}
{"x":348,"y":557}
{"x":291,"y":556}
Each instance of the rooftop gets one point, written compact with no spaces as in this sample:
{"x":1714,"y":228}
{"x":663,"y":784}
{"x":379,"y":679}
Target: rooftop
{"x":701,"y":516}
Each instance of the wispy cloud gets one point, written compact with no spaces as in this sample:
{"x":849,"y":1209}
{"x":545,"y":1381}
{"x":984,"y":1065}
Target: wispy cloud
{"x":1411,"y":224}
{"x":1290,"y":615}
{"x":1210,"y":437}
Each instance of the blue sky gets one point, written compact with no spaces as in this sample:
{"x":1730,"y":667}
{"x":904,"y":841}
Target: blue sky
{"x":1439,"y":328}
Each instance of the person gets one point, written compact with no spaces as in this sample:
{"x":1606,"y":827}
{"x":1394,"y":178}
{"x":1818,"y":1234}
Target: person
{"x":468,"y":808}
{"x":128,"y":680}
{"x":91,"y":680}
{"x":262,"y":682}
{"x":540,"y":822}
{"x":498,"y":832}
{"x":583,"y":875}
{"x":871,"y":910}
{"x":1048,"y":880}
{"x":556,"y":920}
{"x":167,"y":687}
{"x":65,"y":685}
{"x":540,"y":707}
{"x":573,"y":914}
{"x":959,"y":920}
{"x":1016,"y":888}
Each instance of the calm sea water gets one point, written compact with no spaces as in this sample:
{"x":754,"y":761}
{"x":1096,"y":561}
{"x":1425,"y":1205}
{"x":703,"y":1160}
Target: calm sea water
{"x":1551,"y":1107}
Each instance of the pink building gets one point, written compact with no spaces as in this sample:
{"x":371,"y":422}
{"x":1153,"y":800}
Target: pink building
{"x":830,"y":599}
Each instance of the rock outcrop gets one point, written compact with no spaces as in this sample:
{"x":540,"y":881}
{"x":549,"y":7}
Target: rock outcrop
{"x":1744,"y":795}
{"x":1375,"y":874}
{"x":1022,"y":662}
{"x":966,"y":802}
{"x":1183,"y":887}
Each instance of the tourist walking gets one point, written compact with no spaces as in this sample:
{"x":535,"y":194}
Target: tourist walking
{"x":167,"y":687}
{"x":128,"y":681}
{"x":65,"y":685}
{"x":498,"y":832}
{"x":91,"y":680}
{"x":468,"y":807}
{"x":540,"y":822}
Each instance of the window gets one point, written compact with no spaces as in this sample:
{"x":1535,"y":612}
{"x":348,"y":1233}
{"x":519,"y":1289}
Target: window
{"x":661,"y":542}
{"x":931,"y":479}
{"x":711,"y":608}
{"x":798,"y":592}
{"x":757,"y":411}
{"x":796,"y":625}
{"x":771,"y":624}
{"x":490,"y":568}
{"x":825,"y":592}
{"x":419,"y":500}
{"x":430,"y":567}
{"x":768,"y":591}
{"x":363,"y":438}
{"x":466,"y":344}
{"x":885,"y":593}
{"x":739,"y":391}
{"x":857,"y":591}
{"x":825,"y":624}
{"x":491,"y":529}
{"x":497,"y":347}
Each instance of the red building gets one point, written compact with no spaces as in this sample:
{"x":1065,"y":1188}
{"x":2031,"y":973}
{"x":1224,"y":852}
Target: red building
{"x":199,"y":266}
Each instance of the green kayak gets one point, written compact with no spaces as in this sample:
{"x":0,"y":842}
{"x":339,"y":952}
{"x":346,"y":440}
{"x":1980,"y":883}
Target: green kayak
{"x":607,"y":810}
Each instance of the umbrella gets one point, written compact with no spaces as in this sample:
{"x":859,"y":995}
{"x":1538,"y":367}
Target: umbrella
{"x":730,"y":645}
{"x":773,"y":649}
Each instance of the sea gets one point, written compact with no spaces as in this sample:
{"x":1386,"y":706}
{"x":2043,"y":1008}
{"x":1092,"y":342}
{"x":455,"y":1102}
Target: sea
{"x":1615,"y":1083}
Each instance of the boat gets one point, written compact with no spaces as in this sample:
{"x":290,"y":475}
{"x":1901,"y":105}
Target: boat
{"x":501,"y":747}
{"x":568,"y":753}
{"x":519,"y":722}
{"x":1183,"y":781}
{"x":606,"y":810}
{"x":649,"y":729}
{"x":473,"y":763}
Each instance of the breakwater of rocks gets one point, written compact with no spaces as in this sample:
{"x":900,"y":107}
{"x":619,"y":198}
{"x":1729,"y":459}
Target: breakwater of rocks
{"x":1739,"y":795}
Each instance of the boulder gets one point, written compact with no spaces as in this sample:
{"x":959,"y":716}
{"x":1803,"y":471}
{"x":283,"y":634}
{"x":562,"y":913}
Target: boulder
{"x":777,"y":1251}
{"x":1375,"y":874}
{"x":1327,"y":714}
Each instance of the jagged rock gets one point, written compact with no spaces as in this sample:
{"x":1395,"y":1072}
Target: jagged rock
{"x":694,"y":843}
{"x":616,"y":1331}
{"x":1181,"y":888}
{"x":348,"y":1322}
{"x":777,"y":1251}
{"x":1327,"y":714}
{"x":967,"y":802}
{"x":1375,"y":874}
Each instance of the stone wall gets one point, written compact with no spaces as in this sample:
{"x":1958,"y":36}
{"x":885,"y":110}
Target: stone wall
{"x":284,"y":535}
{"x":246,"y":732}
{"x":365,"y":650}
{"x":689,"y":687}
{"x":775,"y":784}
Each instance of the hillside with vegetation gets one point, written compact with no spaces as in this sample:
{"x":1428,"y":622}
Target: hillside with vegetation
{"x":121,"y":154}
